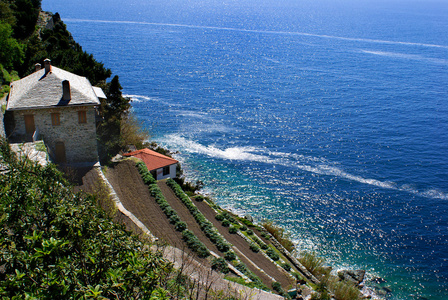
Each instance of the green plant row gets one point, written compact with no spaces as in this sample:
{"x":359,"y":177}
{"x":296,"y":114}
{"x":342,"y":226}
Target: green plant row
{"x":146,"y":175}
{"x":255,"y":279}
{"x":205,"y":225}
{"x":190,"y":239}
{"x":210,"y":232}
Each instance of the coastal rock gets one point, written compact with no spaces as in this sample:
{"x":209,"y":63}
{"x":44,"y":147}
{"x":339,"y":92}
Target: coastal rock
{"x":249,"y":218}
{"x":354,"y":276}
{"x":378,"y":280}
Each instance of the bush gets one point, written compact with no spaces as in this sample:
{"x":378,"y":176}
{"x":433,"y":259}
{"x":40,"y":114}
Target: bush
{"x":229,"y":256}
{"x":286,"y":266}
{"x":219,"y":217}
{"x":233,"y":229}
{"x":180,"y":226}
{"x":254,"y":247}
{"x":225,"y":223}
{"x":219,"y":264}
{"x":222,"y":246}
{"x":272,"y":254}
{"x":194,"y":244}
{"x":243,"y":228}
{"x":265,"y":235}
{"x":276,"y":286}
{"x":250,"y":232}
{"x":199,"y":198}
{"x":146,"y":175}
{"x":264,"y":246}
{"x":56,"y":244}
{"x":174,"y":219}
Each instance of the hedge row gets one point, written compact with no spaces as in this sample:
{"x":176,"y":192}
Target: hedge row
{"x":146,"y":175}
{"x":206,"y":226}
{"x":195,"y":244}
{"x":191,"y":240}
{"x":255,"y":279}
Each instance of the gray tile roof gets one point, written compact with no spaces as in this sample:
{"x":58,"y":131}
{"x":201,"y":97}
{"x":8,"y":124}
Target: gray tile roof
{"x":41,"y":91}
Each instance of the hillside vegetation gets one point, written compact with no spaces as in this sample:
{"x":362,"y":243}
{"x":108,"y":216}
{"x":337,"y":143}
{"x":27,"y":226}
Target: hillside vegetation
{"x":55,"y":244}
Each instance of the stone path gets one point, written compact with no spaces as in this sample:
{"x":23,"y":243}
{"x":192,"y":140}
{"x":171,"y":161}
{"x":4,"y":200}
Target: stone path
{"x":32,"y":151}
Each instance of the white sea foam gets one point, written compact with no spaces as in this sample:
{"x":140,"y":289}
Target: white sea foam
{"x":309,"y":164}
{"x":376,"y":41}
{"x":407,"y":56}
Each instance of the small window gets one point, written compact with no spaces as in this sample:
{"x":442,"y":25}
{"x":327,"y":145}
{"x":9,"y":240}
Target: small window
{"x":166,"y":170}
{"x":82,"y":116}
{"x":55,"y":119}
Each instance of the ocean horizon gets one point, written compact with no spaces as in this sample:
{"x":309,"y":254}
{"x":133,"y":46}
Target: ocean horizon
{"x":327,"y":117}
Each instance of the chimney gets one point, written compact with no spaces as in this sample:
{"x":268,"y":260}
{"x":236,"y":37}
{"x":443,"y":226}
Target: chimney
{"x":47,"y":64}
{"x":66,"y":90}
{"x":38,"y":66}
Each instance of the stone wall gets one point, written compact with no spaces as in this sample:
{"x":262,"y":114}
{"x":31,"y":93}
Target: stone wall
{"x":79,"y":139}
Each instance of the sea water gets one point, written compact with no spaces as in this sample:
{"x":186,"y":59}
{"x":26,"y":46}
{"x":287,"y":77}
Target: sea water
{"x":327,"y":117}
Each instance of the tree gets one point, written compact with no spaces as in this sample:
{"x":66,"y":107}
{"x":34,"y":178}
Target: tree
{"x":113,"y":110}
{"x":11,"y":51}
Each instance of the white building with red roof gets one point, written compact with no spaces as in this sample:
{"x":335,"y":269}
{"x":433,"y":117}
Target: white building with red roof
{"x":160,"y":166}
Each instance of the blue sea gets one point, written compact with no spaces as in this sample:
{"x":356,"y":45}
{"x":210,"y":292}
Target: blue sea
{"x":328,"y":117}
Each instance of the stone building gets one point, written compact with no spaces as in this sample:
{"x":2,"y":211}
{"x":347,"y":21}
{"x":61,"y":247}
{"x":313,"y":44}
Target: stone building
{"x":58,"y":107}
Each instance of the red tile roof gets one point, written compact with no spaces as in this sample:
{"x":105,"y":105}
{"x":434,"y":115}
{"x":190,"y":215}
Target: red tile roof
{"x":152,"y":159}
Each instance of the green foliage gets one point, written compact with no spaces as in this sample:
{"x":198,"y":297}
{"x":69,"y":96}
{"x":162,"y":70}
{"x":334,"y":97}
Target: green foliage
{"x":254,"y":247}
{"x":286,"y":266}
{"x":206,"y":226}
{"x":146,"y":175}
{"x":225,"y":223}
{"x":272,"y":254}
{"x":11,"y":51}
{"x":220,"y":265}
{"x":219,"y":217}
{"x":250,"y":232}
{"x":233,"y":229}
{"x":257,"y":281}
{"x":276,"y":286}
{"x":180,"y":226}
{"x":194,"y":244}
{"x":229,"y":256}
{"x":55,"y":244}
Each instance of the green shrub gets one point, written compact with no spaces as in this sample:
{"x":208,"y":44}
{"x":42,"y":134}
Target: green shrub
{"x":229,"y":255}
{"x":180,"y":226}
{"x":249,"y":232}
{"x":264,"y":246}
{"x":225,"y":223}
{"x":286,"y":266}
{"x":146,"y":175}
{"x":233,"y":229}
{"x":272,"y":254}
{"x":174,"y":219}
{"x":219,"y":264}
{"x":243,"y":228}
{"x":194,"y":244}
{"x":199,"y":198}
{"x":276,"y":286}
{"x":219,"y":217}
{"x":265,"y":235}
{"x":222,"y":246}
{"x":56,"y":244}
{"x":254,"y":247}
